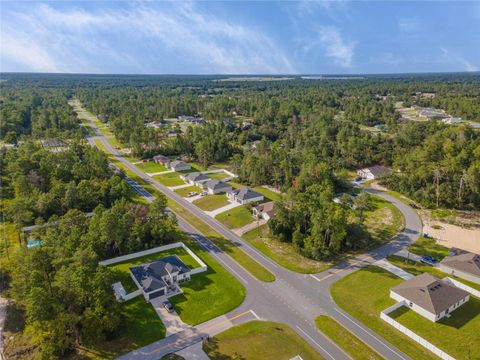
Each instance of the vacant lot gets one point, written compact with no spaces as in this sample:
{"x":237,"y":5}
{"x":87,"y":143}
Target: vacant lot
{"x":212,"y":202}
{"x":185,"y":191}
{"x":463,"y":327}
{"x":151,"y":167}
{"x":428,"y":246}
{"x":259,"y":340}
{"x":345,"y":339}
{"x":364,"y":294}
{"x":236,"y":218}
{"x":169,"y":179}
{"x":269,"y":194}
{"x":218,"y":176}
{"x":382,"y":220}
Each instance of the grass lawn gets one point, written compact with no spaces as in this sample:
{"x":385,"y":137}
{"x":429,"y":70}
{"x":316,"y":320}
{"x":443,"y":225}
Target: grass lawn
{"x":383,"y":220}
{"x":151,"y":167}
{"x":283,"y":253}
{"x":218,"y":176}
{"x":236,"y":185}
{"x":458,"y":336}
{"x":184,"y":191}
{"x":169,"y":179}
{"x":211,"y":202}
{"x":259,"y":340}
{"x":269,"y":194}
{"x":345,"y":339}
{"x":417,"y":268}
{"x":428,"y":246}
{"x":122,"y":270}
{"x":364,"y":294}
{"x":236,"y":218}
{"x":197,"y":167}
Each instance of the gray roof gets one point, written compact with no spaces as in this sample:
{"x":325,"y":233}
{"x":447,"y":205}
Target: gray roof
{"x":464,"y":261}
{"x":379,"y":170}
{"x":246,"y":194}
{"x":196,"y":176}
{"x":178,"y":162}
{"x":149,"y":275}
{"x":430,"y":293}
{"x":215,"y":184}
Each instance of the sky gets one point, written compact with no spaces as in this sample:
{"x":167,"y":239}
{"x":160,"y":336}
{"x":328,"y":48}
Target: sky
{"x":261,"y":37}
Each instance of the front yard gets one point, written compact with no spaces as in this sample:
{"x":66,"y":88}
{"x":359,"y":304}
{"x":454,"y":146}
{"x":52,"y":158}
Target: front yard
{"x":236,"y":217}
{"x":169,"y":179}
{"x":183,"y":192}
{"x":259,"y":340}
{"x":151,"y":167}
{"x":212,"y":202}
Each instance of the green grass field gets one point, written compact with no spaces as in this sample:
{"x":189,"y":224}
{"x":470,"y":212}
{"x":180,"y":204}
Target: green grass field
{"x":382,"y":221}
{"x":283,"y":253}
{"x":236,"y":218}
{"x":169,"y":179}
{"x":259,"y":340}
{"x":269,"y":194}
{"x":151,"y":167}
{"x":218,"y":176}
{"x":364,"y":294}
{"x":428,"y":246}
{"x":184,"y":191}
{"x":463,"y":327}
{"x":211,"y":202}
{"x":352,"y":345}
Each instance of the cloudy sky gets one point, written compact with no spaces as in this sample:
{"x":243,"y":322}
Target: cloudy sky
{"x":307,"y":37}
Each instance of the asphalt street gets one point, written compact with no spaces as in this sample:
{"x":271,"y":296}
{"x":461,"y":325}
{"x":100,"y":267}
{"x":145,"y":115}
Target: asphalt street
{"x":294,"y":299}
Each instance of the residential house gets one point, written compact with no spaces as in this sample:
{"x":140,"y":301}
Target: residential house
{"x":264,"y":211}
{"x":244,"y":196}
{"x":178,"y":165}
{"x":430,"y":297}
{"x":214,"y":186}
{"x":161,"y":159}
{"x":463,"y":264}
{"x":195,"y":178}
{"x":155,"y":124}
{"x":452,"y":120}
{"x":373,"y":172}
{"x":161,"y":277}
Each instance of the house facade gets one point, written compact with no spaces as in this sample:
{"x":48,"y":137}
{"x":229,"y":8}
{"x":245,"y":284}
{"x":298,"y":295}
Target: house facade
{"x":463,"y":264}
{"x":244,"y":196}
{"x":179,"y":166}
{"x":161,"y":277}
{"x":264,"y":211}
{"x":373,"y":172}
{"x":214,"y":186}
{"x":430,"y":297}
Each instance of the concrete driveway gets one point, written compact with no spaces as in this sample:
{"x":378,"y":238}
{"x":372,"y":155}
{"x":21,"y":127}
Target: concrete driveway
{"x":172,"y":321}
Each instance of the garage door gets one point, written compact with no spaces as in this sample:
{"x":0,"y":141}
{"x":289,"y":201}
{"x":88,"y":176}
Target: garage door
{"x":157,"y":294}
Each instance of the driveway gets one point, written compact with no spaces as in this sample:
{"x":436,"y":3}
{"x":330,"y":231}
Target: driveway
{"x":248,"y":227}
{"x":173,"y":323}
{"x":215,"y":212}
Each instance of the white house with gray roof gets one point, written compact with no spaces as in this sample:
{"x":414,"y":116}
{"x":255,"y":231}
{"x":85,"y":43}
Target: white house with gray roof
{"x":195,"y":178}
{"x":463,"y":264}
{"x":214,"y":186}
{"x":178,"y":165}
{"x":244,"y":196}
{"x":373,"y":172}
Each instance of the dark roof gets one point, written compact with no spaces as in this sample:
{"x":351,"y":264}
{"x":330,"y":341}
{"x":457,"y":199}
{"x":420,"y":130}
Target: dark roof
{"x":430,"y":293}
{"x":215,"y":184}
{"x":266,"y":208}
{"x":149,"y":275}
{"x":196,"y":176}
{"x":246,"y":194}
{"x":178,"y":162}
{"x":161,"y":157}
{"x":379,"y":170}
{"x":463,"y":261}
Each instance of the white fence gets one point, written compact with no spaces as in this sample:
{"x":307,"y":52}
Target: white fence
{"x":460,"y":285}
{"x":384,"y":316}
{"x":132,"y":295}
{"x":232,"y":175}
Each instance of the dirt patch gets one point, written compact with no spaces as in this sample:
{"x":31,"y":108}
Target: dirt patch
{"x":453,"y":236}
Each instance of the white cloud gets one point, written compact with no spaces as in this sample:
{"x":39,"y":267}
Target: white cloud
{"x":76,"y":40}
{"x":336,"y":48}
{"x":458,"y":60}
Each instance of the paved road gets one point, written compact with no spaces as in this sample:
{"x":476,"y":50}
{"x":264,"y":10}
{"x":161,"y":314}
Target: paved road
{"x":294,"y":299}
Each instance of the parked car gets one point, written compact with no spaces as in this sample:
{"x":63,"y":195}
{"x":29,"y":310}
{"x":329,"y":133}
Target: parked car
{"x":429,"y":260}
{"x":204,"y":193}
{"x":192,"y":193}
{"x":414,"y":206}
{"x":167,"y":305}
{"x":358,"y":179}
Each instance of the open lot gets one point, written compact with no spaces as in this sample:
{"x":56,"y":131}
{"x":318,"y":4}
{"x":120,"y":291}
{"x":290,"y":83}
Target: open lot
{"x":259,"y":340}
{"x":169,"y":179}
{"x":382,"y":220}
{"x":218,"y":176}
{"x":211,"y":202}
{"x":185,"y":191}
{"x":235,"y":218}
{"x":428,"y":246}
{"x":463,"y":327}
{"x":151,"y":167}
{"x":345,"y":339}
{"x":269,"y":194}
{"x":364,"y":294}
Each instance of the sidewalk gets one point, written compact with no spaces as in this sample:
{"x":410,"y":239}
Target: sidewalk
{"x":160,"y":173}
{"x":248,"y":227}
{"x":395,"y":270}
{"x":408,"y":255}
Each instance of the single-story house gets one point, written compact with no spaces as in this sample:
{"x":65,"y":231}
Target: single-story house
{"x":373,"y":172}
{"x":214,"y":186}
{"x":161,"y":159}
{"x":244,"y":196}
{"x":154,"y":124}
{"x":160,"y":277}
{"x":264,"y":211}
{"x":463,"y":264}
{"x":195,"y":178}
{"x":430,"y":297}
{"x":178,"y":165}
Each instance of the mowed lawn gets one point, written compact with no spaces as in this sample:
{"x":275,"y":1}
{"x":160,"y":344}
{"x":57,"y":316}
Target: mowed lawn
{"x":364,"y":294}
{"x":218,"y":176}
{"x":151,"y":167}
{"x":269,"y":194}
{"x":458,"y":336}
{"x":236,"y":218}
{"x":183,"y":192}
{"x":428,"y":246}
{"x":352,"y":345}
{"x":211,"y":202}
{"x":169,"y":179}
{"x":259,"y":340}
{"x":283,"y":253}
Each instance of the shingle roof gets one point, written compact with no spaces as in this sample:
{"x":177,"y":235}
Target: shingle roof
{"x":430,"y":293}
{"x":246,"y":194}
{"x":266,"y":208}
{"x":177,"y":162}
{"x":196,"y":176}
{"x":215,"y":184}
{"x":464,"y":261}
{"x":379,"y":170}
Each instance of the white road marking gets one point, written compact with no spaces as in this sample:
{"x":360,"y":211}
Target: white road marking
{"x":255,"y":314}
{"x":313,"y":276}
{"x":311,"y":339}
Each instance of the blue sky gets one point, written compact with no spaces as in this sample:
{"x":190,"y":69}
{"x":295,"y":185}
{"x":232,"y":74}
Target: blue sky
{"x":306,"y":37}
